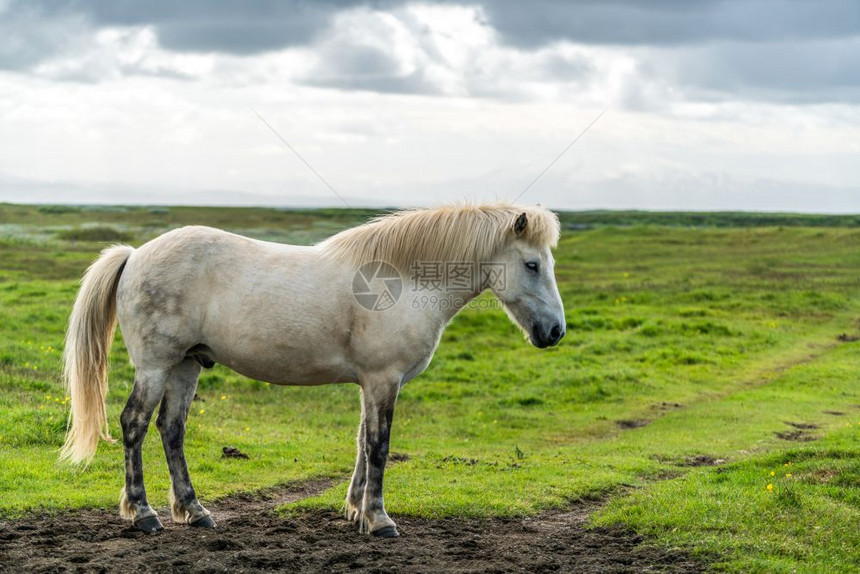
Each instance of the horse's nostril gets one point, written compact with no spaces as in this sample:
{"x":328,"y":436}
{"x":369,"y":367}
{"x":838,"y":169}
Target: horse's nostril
{"x":556,"y":333}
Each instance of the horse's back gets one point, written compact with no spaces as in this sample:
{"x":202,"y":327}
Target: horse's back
{"x":253,"y":304}
{"x":174,"y":271}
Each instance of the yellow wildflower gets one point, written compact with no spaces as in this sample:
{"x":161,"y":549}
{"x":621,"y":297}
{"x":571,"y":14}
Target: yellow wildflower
{"x":772,"y":473}
{"x":769,"y":488}
{"x":202,"y":411}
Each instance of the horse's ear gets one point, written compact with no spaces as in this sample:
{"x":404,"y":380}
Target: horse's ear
{"x":520,"y":223}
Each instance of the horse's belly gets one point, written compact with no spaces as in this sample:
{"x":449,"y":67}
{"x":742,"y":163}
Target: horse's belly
{"x":281,"y":332}
{"x":282,"y":372}
{"x":287,"y":366}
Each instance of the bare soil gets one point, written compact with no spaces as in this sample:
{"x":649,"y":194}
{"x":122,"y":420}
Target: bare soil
{"x":802,"y":426}
{"x":632,"y":424}
{"x":702,"y":460}
{"x":796,"y":435}
{"x":800,"y":433}
{"x":251,"y":538}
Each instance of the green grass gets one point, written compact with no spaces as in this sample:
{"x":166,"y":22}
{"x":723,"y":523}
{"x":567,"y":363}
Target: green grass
{"x":697,"y":339}
{"x":806,"y":522}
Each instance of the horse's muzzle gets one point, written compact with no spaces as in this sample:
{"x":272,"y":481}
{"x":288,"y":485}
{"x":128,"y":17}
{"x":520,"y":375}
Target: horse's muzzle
{"x":543,"y":338}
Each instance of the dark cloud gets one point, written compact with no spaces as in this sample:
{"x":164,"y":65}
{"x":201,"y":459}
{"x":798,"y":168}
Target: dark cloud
{"x":237,"y":27}
{"x":206,"y":25}
{"x":232,"y":27}
{"x":705,"y":49}
{"x":794,"y":72}
{"x":670,"y":22}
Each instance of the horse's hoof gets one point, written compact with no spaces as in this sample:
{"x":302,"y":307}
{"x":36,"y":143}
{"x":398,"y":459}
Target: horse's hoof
{"x":149,"y":524}
{"x":386,"y":532}
{"x":203,"y":522}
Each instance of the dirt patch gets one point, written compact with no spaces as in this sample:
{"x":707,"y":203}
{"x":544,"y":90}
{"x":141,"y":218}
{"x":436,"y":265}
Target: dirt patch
{"x":802,"y":426}
{"x":666,"y":474}
{"x":834,"y":413}
{"x":232,"y":452}
{"x":250,"y":538}
{"x":846,"y":338}
{"x":702,"y":460}
{"x":397,"y":457}
{"x":632,"y":423}
{"x":823,"y":475}
{"x":796,"y":435}
{"x":800,"y":433}
{"x":690,"y":460}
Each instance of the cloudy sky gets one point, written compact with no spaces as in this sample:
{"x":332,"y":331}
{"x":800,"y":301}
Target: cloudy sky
{"x":710,"y":104}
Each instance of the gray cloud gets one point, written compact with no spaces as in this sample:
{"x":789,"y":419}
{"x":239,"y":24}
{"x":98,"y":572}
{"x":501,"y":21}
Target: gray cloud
{"x":34,"y":31}
{"x":28,"y":36}
{"x":362,"y":62}
{"x":248,"y":27}
{"x":227,"y":26}
{"x":670,"y":22}
{"x":782,"y":70}
{"x":769,"y":50}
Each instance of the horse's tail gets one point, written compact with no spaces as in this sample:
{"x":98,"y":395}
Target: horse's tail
{"x":88,"y":340}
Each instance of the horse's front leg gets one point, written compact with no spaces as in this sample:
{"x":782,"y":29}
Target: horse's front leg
{"x":355,"y":494}
{"x":379,"y":396}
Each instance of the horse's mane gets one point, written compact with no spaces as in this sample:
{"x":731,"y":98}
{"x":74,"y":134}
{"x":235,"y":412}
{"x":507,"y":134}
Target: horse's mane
{"x":462,"y":233}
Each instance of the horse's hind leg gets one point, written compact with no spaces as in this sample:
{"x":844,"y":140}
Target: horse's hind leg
{"x":355,"y":494}
{"x":148,"y":390}
{"x":172,"y":415}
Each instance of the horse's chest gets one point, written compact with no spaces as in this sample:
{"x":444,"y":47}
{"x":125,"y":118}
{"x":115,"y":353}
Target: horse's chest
{"x":416,"y":369}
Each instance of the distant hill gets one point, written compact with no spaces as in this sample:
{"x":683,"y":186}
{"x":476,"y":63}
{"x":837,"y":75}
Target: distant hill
{"x":573,"y":220}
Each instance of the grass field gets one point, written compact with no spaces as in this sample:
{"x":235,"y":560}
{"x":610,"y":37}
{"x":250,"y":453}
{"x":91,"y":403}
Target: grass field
{"x":707,"y":387}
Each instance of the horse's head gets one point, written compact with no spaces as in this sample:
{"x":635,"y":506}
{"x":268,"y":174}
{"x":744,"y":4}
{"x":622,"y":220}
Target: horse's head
{"x":528,"y":290}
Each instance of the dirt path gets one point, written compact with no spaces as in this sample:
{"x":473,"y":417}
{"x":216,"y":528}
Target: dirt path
{"x":250,"y":538}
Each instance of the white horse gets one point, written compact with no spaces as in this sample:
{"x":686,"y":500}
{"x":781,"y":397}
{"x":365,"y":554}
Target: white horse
{"x":354,"y":308}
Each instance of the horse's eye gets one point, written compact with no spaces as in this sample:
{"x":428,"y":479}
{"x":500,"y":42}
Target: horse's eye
{"x":531,"y":266}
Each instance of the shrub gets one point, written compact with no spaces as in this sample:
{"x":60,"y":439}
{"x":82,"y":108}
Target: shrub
{"x":102,"y":233}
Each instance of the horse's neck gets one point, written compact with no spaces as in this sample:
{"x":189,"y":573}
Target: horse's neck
{"x":438,"y":288}
{"x":450,"y":303}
